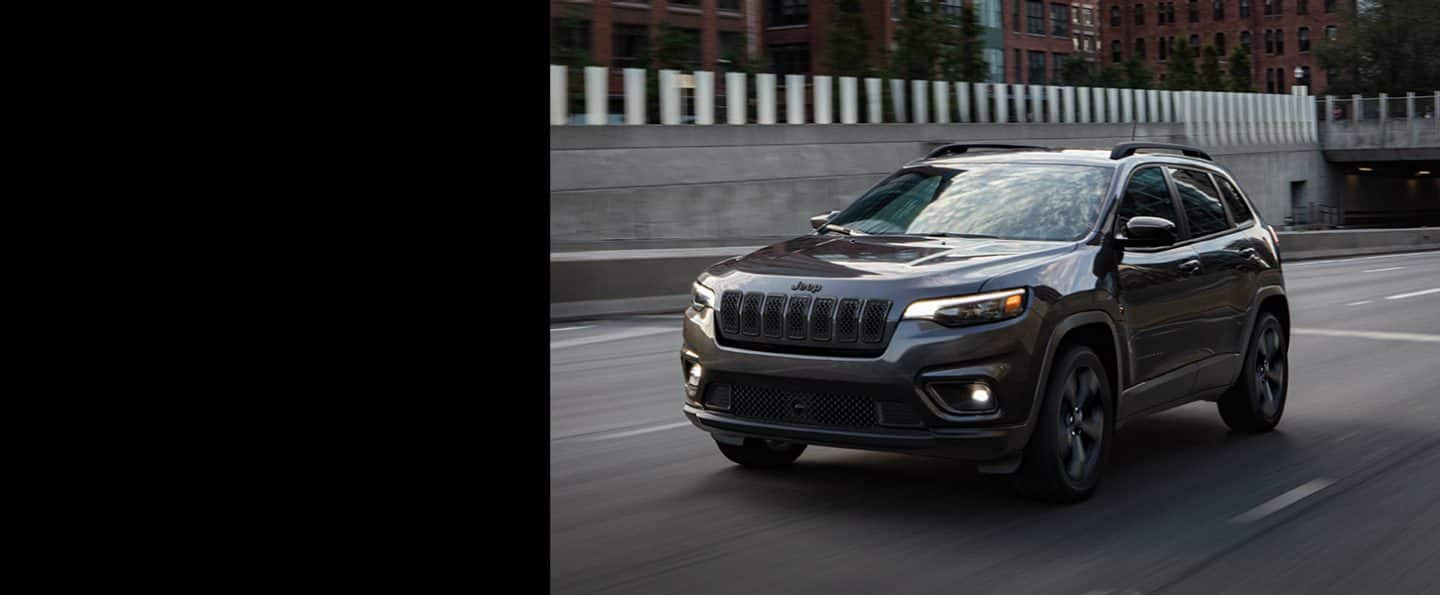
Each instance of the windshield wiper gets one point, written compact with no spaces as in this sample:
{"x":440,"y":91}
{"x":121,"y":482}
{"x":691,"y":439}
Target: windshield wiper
{"x":951,"y":234}
{"x":842,"y":229}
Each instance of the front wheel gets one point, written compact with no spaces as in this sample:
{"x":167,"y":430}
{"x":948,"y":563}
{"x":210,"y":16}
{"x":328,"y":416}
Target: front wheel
{"x":1257,"y":400}
{"x":1067,"y":452}
{"x":762,"y":454}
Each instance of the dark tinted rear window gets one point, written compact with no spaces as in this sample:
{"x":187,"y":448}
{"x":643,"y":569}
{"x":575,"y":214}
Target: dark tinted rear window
{"x":1201,"y":202}
{"x":1238,"y":209}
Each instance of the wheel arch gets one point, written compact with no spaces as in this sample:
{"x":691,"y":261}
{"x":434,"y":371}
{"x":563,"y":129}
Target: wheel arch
{"x":1094,"y":329}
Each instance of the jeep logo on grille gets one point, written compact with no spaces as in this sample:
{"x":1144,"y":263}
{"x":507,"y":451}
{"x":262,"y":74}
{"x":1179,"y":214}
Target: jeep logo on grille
{"x":803,"y":286}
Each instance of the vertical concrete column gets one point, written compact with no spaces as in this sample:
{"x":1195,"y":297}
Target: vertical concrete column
{"x":823,"y":102}
{"x":941,"y":90}
{"x":1248,"y":103}
{"x":1037,"y":103}
{"x":1222,"y":132}
{"x":1357,"y":108}
{"x":1167,"y":106}
{"x":1141,"y":114}
{"x":1097,"y":95}
{"x":1435,"y":112}
{"x":669,"y":98}
{"x":917,"y":98}
{"x":1384,"y":112}
{"x":1410,"y":105}
{"x":704,"y":97}
{"x":982,"y":102}
{"x":1152,"y":97}
{"x":1052,"y":100}
{"x":765,"y":98}
{"x":596,"y":86}
{"x":1127,"y":105}
{"x":962,"y":102}
{"x":1082,"y":105}
{"x":1021,"y":114}
{"x":1002,"y":106}
{"x":849,"y":101}
{"x":735,"y":99}
{"x":1182,"y":105}
{"x":1112,"y":100}
{"x":874,"y":108}
{"x":1068,"y":99}
{"x":897,"y":99}
{"x":1329,"y":109}
{"x":635,"y":95}
{"x":1272,"y":114}
{"x":559,"y":106}
{"x":794,"y":99}
{"x":1311,"y":118}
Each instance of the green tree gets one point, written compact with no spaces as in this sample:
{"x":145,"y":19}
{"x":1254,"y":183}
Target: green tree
{"x":1180,"y":72}
{"x":1077,"y":72}
{"x":1388,"y":46}
{"x":1112,"y":76}
{"x":1239,"y":77}
{"x":675,"y":48}
{"x":849,"y":42}
{"x":567,"y":40}
{"x":919,"y":49}
{"x":1137,"y":76}
{"x":961,"y":55}
{"x":1211,"y":79}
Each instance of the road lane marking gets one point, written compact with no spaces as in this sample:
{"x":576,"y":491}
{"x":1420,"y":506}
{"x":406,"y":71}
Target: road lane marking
{"x":629,"y":433}
{"x":1382,"y":270}
{"x":1358,"y":259}
{"x":1360,"y":303}
{"x":615,"y":336}
{"x":1278,"y":503}
{"x":1413,"y":294}
{"x":571,"y":328}
{"x":1376,"y":335}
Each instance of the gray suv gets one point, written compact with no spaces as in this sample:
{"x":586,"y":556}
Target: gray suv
{"x":1006,"y":305}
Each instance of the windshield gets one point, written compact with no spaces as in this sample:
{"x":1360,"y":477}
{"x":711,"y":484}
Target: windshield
{"x":1019,"y":202}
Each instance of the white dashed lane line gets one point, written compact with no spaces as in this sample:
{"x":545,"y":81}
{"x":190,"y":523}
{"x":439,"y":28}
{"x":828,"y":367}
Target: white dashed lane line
{"x":1382,"y":270}
{"x":1374,"y":335}
{"x":571,"y":328}
{"x":1402,"y":296}
{"x":1279,"y":503}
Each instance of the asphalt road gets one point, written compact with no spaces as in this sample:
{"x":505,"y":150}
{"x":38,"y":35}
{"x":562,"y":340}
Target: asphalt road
{"x":1344,"y":497}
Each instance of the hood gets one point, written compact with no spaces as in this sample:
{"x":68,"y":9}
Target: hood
{"x":876,"y":257}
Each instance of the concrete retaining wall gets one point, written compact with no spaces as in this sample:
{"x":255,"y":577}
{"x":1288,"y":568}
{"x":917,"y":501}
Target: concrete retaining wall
{"x":601,"y":283}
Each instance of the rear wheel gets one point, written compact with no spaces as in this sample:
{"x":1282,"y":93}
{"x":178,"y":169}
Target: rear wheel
{"x":1257,"y":400}
{"x":1072,"y":435}
{"x":762,"y":454}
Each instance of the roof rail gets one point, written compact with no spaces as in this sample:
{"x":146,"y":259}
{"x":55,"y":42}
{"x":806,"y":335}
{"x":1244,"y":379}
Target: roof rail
{"x":1124,"y":150}
{"x":958,"y":148}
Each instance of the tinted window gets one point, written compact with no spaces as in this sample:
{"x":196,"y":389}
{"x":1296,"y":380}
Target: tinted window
{"x":1238,"y":209}
{"x":1027,"y":202}
{"x":1146,"y":196}
{"x":1201,"y":202}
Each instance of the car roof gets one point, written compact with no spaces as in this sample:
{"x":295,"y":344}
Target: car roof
{"x":1057,"y":156}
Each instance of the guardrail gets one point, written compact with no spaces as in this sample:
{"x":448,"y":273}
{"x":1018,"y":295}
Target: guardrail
{"x":1384,"y":122}
{"x":703,"y":98}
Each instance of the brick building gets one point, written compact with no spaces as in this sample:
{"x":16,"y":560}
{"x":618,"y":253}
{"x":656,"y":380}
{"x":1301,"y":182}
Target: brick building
{"x":1281,"y":34}
{"x":616,"y":32}
{"x":1040,"y":35}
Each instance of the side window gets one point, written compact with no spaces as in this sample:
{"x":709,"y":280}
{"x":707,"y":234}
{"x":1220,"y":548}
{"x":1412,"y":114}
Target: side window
{"x":1201,"y":202}
{"x":1238,"y":209}
{"x":1146,"y":196}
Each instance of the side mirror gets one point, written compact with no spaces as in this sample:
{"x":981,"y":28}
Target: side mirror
{"x":1147,"y":232}
{"x":819,"y":220}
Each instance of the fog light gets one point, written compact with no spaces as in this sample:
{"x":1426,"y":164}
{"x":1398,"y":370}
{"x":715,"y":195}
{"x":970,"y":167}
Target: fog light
{"x":694,"y":378}
{"x":963,"y":397}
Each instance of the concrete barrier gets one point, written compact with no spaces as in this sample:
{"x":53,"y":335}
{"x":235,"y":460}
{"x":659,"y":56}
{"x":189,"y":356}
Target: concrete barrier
{"x":600,"y":283}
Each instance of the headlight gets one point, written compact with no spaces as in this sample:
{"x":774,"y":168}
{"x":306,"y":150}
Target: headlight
{"x":969,"y":309}
{"x":701,"y":297}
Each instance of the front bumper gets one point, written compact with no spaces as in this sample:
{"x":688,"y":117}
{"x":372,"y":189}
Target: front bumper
{"x":1006,"y":355}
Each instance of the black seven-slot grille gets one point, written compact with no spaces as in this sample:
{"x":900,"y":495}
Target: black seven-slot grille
{"x":803,"y":318}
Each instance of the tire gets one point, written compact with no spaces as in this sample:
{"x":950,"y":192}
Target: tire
{"x":762,"y":454}
{"x":1257,"y":400}
{"x":1067,"y":452}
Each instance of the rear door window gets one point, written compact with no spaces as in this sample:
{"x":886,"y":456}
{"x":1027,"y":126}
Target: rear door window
{"x":1201,"y":201}
{"x":1238,"y":209}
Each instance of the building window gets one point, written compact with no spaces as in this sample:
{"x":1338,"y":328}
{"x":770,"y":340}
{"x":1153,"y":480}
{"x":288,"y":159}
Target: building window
{"x":1060,"y":20}
{"x":1019,"y":68}
{"x":630,"y":42}
{"x":789,"y":12}
{"x":1140,"y":49}
{"x":1330,"y":32}
{"x":1089,"y":20}
{"x":693,"y":3}
{"x":1115,"y":52}
{"x":1269,"y":80}
{"x":1329,"y":5}
{"x":1305,"y":75}
{"x":1244,"y":8}
{"x":1194,"y":44}
{"x":1269,"y":41}
{"x":1245,"y":40}
{"x":1194,"y":11}
{"x":1014,"y":22}
{"x":1035,"y":17}
{"x":572,"y":37}
{"x":729,"y":5}
{"x":1164,"y":53}
{"x":1037,"y":68}
{"x":1055,"y":61}
{"x":1139,"y":14}
{"x":1115,"y":16}
{"x":732,"y":46}
{"x":791,"y":58}
{"x":1170,"y":12}
{"x":1217,"y":10}
{"x":952,"y":8}
{"x":1220,"y":43}
{"x":1302,"y":6}
{"x":1303,"y":38}
{"x":1279,"y":42}
{"x":1269,"y":7}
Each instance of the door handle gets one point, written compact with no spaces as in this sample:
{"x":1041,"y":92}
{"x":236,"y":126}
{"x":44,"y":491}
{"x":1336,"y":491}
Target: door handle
{"x":1190,"y":267}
